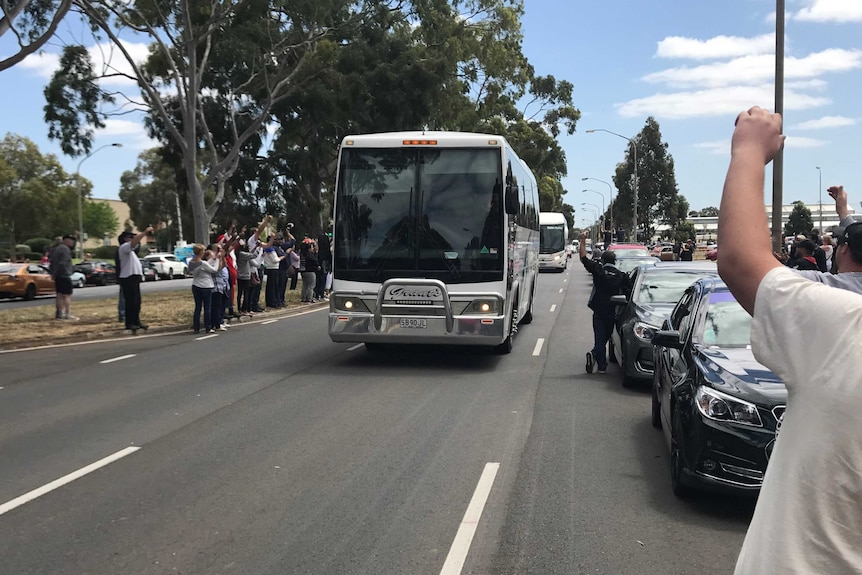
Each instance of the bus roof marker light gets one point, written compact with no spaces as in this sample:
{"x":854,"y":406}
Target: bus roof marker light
{"x":419,"y":142}
{"x":348,"y":142}
{"x":492,"y":142}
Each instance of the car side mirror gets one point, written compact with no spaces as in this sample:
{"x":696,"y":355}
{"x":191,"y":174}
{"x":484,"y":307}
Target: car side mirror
{"x":667,"y":338}
{"x":512,"y":202}
{"x":619,"y":300}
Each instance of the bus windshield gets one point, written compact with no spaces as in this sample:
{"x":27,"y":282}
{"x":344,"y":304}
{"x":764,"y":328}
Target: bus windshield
{"x":419,"y":212}
{"x":553,"y":239}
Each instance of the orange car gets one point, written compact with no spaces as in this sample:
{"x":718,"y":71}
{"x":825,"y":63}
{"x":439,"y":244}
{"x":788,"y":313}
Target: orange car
{"x":25,"y":280}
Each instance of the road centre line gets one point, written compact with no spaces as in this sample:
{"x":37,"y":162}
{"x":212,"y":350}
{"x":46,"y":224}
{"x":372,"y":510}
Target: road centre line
{"x":561,"y":290}
{"x":269,"y":321}
{"x":553,"y":307}
{"x":538,"y":349}
{"x":354,"y":348}
{"x":464,"y":537}
{"x":57,"y":483}
{"x":210,"y":336}
{"x":121,"y":358}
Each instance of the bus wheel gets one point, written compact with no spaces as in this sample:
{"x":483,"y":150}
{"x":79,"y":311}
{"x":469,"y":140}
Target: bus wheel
{"x":528,"y":317}
{"x":506,"y":347}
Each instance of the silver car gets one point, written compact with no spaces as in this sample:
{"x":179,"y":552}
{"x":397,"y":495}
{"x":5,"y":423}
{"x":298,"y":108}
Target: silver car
{"x":655,"y":291}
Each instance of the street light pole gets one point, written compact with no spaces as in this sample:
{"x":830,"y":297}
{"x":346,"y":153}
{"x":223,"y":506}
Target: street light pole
{"x":610,"y":201}
{"x":820,"y":196}
{"x":603,"y":202}
{"x":778,"y":160}
{"x":635,"y":188}
{"x":81,"y":196}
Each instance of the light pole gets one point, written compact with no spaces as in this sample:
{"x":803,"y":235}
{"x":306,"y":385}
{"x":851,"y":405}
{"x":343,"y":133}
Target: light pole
{"x":778,"y":160}
{"x":635,"y":188}
{"x":820,"y":196}
{"x":81,"y":194}
{"x":595,"y":218}
{"x":596,"y":213}
{"x":602,"y":196}
{"x":610,"y":200}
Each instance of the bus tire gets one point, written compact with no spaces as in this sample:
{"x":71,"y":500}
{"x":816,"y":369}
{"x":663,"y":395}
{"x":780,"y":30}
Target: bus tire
{"x":528,"y":316}
{"x":506,"y":347}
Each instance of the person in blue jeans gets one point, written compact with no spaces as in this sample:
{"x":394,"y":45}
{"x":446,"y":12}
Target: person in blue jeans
{"x":203,"y":268}
{"x":608,"y":281}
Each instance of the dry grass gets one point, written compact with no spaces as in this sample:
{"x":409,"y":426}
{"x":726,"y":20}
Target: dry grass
{"x":97,"y":318}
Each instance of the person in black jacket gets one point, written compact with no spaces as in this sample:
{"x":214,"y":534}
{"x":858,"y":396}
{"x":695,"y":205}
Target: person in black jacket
{"x":608,"y":281}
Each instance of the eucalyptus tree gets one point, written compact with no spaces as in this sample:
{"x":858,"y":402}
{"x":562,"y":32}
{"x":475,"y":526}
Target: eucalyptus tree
{"x":32,"y":23}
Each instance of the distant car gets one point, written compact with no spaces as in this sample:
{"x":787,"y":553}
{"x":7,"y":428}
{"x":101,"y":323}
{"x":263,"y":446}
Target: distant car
{"x":149,"y":271}
{"x":167,"y":265}
{"x":666,"y":254}
{"x":98,"y":273}
{"x":629,"y":250}
{"x":719,"y":408}
{"x":629,"y":264}
{"x":78,"y":279}
{"x":712,"y":254}
{"x":655,"y":291}
{"x":25,"y":281}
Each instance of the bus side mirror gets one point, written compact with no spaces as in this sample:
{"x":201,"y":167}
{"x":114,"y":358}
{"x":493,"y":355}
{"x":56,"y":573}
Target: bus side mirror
{"x":512,"y":205}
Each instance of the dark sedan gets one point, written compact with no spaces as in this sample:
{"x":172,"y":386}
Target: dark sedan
{"x":718,"y":407}
{"x":655,"y":290}
{"x":98,"y":272}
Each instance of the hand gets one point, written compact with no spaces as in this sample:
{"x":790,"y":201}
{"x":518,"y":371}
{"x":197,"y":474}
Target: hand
{"x":758,"y":132}
{"x":840,"y":196}
{"x":584,"y":236}
{"x":149,"y":230}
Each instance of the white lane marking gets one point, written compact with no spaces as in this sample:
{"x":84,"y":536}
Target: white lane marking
{"x":121,"y":358}
{"x":268,"y":322}
{"x":27,"y":497}
{"x":210,"y":336}
{"x":553,"y":307}
{"x":461,"y":545}
{"x":538,"y":349}
{"x":354,"y":348}
{"x":561,"y":290}
{"x":564,"y":281}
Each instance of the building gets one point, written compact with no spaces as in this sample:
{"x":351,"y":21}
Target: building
{"x":706,"y":228}
{"x":124,"y":221}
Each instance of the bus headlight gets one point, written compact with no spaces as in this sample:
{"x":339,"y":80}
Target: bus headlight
{"x":490,"y":306}
{"x":349,"y":303}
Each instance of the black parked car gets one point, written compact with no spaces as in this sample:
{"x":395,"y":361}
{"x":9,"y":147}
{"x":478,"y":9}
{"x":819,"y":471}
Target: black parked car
{"x":98,"y":272}
{"x":149,"y":271}
{"x":655,"y":289}
{"x":717,"y":406}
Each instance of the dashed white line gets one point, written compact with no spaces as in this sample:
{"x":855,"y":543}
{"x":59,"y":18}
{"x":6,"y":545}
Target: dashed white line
{"x":461,"y":545}
{"x":355,"y":347}
{"x":564,"y":281}
{"x":553,"y":307}
{"x":269,"y":321}
{"x":121,"y":358}
{"x":538,"y":349}
{"x":561,"y":290}
{"x":27,"y":497}
{"x":210,"y":336}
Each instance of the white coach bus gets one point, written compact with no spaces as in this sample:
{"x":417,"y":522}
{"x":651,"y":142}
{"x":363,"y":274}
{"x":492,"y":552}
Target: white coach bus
{"x":554,"y":230}
{"x":435,"y":240}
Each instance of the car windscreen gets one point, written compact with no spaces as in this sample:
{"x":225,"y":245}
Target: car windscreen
{"x":408,"y":212}
{"x":726,"y":323}
{"x":665,"y":285}
{"x":629,"y":264}
{"x":552,"y":238}
{"x":631,"y":253}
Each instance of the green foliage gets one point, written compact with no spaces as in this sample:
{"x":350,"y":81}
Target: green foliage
{"x":99,"y":219}
{"x":150,"y":192}
{"x":799,"y":221}
{"x":39,"y":245}
{"x":107,"y":253}
{"x":683,"y":231}
{"x":32,"y":20}
{"x":659,"y":201}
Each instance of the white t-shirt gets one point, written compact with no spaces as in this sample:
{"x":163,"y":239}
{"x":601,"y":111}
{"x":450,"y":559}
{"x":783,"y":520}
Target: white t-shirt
{"x":808,"y":518}
{"x":130,"y":265}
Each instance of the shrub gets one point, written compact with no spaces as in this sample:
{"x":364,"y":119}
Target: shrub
{"x":104,"y":253}
{"x":21,"y":249}
{"x":39,"y":245}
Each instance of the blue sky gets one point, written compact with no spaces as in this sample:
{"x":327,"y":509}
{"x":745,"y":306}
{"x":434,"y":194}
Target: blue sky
{"x":692,"y":65}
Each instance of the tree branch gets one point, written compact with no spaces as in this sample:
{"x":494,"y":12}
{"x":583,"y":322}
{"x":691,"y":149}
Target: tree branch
{"x":36,"y":45}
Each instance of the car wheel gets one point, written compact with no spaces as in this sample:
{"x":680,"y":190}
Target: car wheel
{"x":676,"y":463}
{"x":79,"y":284}
{"x":624,"y":378}
{"x":30,"y":292}
{"x":656,"y":406}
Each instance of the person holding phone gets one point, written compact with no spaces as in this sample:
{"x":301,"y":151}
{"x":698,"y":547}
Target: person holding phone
{"x":130,"y":276}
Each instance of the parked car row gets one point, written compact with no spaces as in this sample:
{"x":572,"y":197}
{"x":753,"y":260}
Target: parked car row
{"x":680,"y":331}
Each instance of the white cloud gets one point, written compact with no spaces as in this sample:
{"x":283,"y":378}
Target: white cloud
{"x":131,"y":134}
{"x":717,"y":147}
{"x":830,"y":11}
{"x":758,"y":68}
{"x":717,"y":47}
{"x":107,"y":59}
{"x":802,"y":142}
{"x":826,"y":122}
{"x":728,"y":100}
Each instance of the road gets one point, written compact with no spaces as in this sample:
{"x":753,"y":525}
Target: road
{"x":93,"y":292}
{"x":270,"y":450}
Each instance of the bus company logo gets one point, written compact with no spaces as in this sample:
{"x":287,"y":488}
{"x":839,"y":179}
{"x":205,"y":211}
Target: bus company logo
{"x":415,"y":294}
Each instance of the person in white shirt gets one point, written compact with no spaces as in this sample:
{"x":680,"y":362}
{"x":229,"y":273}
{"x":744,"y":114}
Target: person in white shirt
{"x":808,"y":517}
{"x":131,"y":275}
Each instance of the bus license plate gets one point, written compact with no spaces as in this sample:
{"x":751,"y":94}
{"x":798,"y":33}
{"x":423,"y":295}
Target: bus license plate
{"x":414,"y":322}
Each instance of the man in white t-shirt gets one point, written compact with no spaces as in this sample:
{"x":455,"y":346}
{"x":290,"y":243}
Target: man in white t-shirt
{"x":131,"y":275}
{"x":808,"y":517}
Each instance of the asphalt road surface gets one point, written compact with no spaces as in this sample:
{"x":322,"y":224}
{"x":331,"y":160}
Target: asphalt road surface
{"x":270,"y":450}
{"x":93,"y":292}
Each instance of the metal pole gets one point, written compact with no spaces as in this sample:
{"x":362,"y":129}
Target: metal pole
{"x":610,"y":201}
{"x":635,"y":186}
{"x":820,"y":196}
{"x":778,"y":161}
